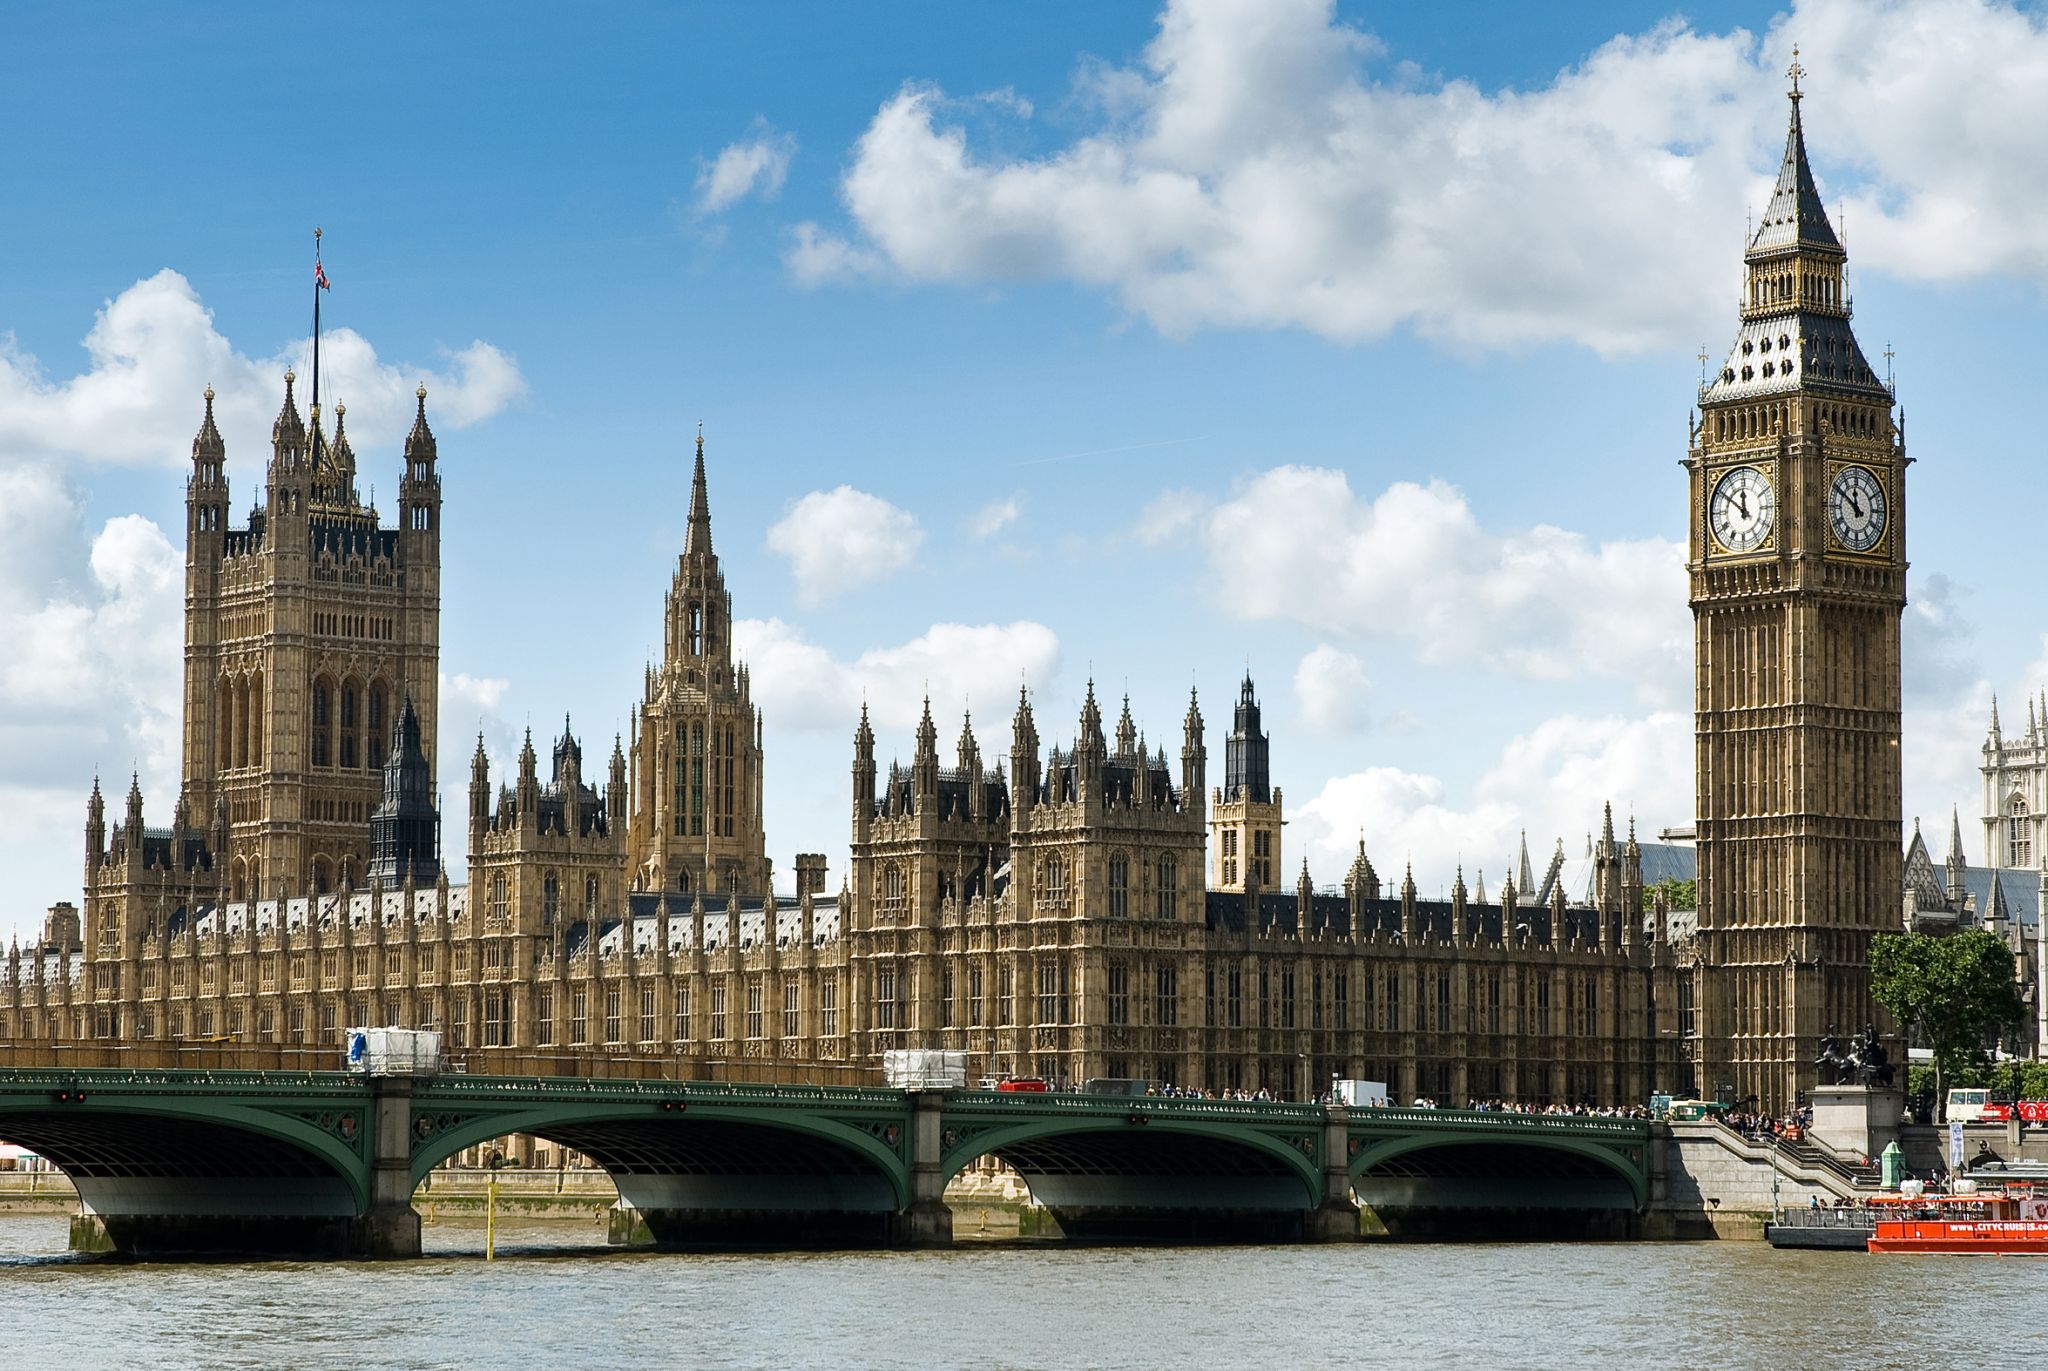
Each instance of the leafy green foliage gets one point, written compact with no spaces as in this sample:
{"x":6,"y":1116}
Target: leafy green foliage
{"x":1954,"y":994}
{"x":1920,"y":1092}
{"x":1677,"y":894}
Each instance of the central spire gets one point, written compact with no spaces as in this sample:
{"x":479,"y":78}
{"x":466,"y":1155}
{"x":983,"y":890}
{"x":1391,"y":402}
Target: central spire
{"x":699,"y":538}
{"x":1795,"y":216}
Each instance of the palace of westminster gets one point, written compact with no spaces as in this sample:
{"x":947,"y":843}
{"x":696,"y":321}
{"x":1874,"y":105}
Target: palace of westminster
{"x":1102,"y":909}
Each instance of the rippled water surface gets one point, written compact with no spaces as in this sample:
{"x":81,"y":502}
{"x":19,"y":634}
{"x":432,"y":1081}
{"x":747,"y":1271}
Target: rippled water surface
{"x":548,"y":1303}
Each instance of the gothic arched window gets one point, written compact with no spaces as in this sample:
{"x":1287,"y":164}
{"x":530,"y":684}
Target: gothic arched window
{"x":379,"y":740}
{"x":550,"y":899}
{"x":323,"y":720}
{"x":725,"y":798}
{"x":1055,"y":888}
{"x":2019,"y":833}
{"x":225,"y":694}
{"x":348,"y":725}
{"x":1119,"y":886}
{"x":1168,"y":894}
{"x":696,"y":780}
{"x":251,"y":721}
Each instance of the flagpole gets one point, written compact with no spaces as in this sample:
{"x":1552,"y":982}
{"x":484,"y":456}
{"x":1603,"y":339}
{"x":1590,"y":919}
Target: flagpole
{"x":316,"y":325}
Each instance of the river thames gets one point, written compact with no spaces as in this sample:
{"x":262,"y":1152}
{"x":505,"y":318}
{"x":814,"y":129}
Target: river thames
{"x":548,"y":1304}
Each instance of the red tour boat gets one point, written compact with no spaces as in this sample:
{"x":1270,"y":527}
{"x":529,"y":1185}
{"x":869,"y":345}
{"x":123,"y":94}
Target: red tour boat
{"x":2010,"y":1220}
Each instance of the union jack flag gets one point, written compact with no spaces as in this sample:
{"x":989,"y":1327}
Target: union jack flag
{"x":320,"y":276}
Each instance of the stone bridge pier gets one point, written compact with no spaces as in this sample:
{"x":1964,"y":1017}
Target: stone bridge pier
{"x":390,"y":1226}
{"x":1336,"y":1219}
{"x":927,"y":1221}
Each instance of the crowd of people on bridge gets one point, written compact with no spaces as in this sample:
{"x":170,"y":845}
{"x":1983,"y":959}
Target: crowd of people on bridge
{"x":1174,"y":1092}
{"x":1264,"y":1094}
{"x":1584,"y":1111}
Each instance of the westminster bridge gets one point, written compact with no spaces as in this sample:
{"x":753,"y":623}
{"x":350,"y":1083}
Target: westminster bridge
{"x":300,"y":1163}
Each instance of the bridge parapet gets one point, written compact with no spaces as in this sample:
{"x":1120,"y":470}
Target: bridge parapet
{"x":735,"y":1092}
{"x":1023,"y":1103}
{"x":1502,"y":1121}
{"x":179,"y":1079}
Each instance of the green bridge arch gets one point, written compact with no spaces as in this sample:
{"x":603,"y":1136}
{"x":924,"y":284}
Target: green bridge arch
{"x":322,"y":1118}
{"x":552,"y":1118}
{"x":975,"y":1144}
{"x":1375,"y":1152}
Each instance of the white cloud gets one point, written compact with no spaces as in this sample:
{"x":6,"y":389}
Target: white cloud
{"x":995,"y":516}
{"x":1937,"y":641}
{"x":1329,"y":690}
{"x":1169,"y":515}
{"x":1260,"y":167}
{"x":93,"y":671}
{"x":478,"y":700}
{"x":1007,"y":100}
{"x":1551,"y":781}
{"x":756,"y":165}
{"x":800,"y":685}
{"x":462,"y":691}
{"x":153,"y":348}
{"x":1414,"y":565}
{"x":1265,"y":164}
{"x":842,"y":539}
{"x":817,"y":256}
{"x":1942,"y":101}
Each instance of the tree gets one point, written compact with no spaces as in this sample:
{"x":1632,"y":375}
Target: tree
{"x":1678,"y":894}
{"x":1953,"y":994}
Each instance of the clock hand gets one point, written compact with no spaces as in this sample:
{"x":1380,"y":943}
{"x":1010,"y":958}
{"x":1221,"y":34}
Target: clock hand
{"x":1854,"y":504}
{"x":1742,"y":503}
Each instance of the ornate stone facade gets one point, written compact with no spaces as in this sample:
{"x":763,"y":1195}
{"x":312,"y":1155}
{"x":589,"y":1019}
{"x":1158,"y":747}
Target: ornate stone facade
{"x":1798,"y":581}
{"x":1048,"y":913}
{"x":1055,"y":924}
{"x":314,"y":897}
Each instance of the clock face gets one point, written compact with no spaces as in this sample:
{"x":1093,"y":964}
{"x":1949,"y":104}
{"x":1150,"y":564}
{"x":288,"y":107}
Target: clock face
{"x":1856,"y":508}
{"x":1743,"y":509}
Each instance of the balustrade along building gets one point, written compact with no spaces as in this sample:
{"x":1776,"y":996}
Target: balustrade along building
{"x":1093,"y":908}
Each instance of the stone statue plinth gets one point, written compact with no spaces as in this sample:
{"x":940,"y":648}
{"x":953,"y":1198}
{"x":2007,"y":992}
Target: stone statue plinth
{"x":1857,"y":1118}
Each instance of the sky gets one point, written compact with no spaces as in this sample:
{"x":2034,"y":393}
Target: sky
{"x":1345,"y":344}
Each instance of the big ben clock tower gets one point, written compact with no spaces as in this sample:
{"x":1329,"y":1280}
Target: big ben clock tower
{"x":1798,"y":578}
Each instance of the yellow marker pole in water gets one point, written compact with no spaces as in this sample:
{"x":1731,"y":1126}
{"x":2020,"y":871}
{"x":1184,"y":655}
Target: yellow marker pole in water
{"x":491,"y":1208}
